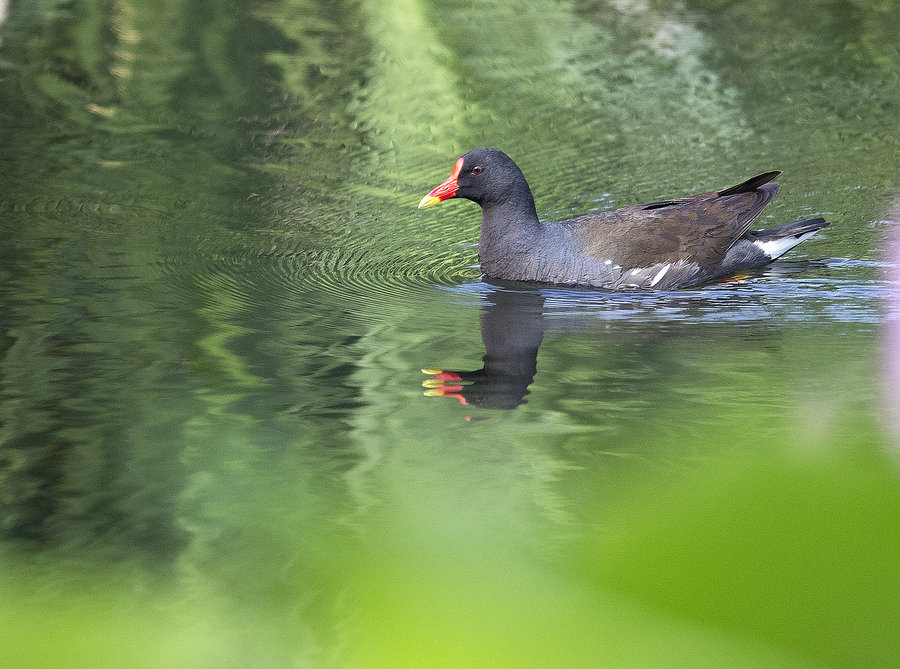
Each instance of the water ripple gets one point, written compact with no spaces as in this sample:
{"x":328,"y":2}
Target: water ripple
{"x":835,"y":290}
{"x":360,"y":280}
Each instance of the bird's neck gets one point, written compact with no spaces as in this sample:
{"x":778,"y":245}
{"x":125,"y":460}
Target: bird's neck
{"x":509,"y":228}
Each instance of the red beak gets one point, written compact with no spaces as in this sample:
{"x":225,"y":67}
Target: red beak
{"x":444,"y":191}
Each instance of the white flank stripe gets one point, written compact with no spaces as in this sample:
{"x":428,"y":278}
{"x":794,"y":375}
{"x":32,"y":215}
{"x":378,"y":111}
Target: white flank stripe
{"x":660,"y":274}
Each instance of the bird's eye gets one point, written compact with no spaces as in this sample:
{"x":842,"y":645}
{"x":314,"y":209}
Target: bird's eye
{"x":478,"y":169}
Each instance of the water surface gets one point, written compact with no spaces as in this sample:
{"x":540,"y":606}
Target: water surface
{"x":217,"y":298}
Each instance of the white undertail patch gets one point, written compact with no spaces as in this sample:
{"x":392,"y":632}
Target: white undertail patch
{"x":775,"y":248}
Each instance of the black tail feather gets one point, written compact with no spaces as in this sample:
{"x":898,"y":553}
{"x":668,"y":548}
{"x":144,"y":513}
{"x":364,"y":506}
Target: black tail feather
{"x":789,"y":229}
{"x":750,"y":184}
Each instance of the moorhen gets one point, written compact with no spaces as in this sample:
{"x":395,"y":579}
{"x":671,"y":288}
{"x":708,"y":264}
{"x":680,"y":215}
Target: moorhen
{"x":678,"y":243}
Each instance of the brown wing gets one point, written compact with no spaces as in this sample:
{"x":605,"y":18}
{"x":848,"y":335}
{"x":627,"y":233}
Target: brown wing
{"x":698,"y":229}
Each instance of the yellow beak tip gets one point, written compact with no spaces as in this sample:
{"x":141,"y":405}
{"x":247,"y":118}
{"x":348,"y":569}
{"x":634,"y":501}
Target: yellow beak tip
{"x":428,"y":200}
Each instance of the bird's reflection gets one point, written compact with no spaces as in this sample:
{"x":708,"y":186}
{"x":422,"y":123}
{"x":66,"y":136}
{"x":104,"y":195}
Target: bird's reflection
{"x":514,"y":317}
{"x":512,"y":326}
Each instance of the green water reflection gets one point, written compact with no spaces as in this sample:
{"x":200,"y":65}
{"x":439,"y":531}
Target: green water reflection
{"x":216,"y":297}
